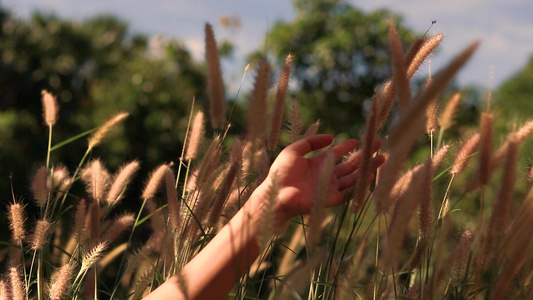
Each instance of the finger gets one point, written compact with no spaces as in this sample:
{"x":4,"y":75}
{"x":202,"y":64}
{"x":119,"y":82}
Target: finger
{"x":311,"y":143}
{"x":377,"y":162}
{"x":349,"y":165}
{"x":348,"y":180}
{"x":377,"y":145}
{"x":344,"y":148}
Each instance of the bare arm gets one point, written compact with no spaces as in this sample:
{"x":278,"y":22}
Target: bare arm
{"x":213,"y":272}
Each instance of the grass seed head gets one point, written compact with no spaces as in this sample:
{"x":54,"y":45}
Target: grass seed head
{"x":120,"y":181}
{"x":59,"y":284}
{"x":39,"y":186}
{"x":40,"y":235}
{"x":197,"y":135}
{"x":97,"y":137}
{"x":17,"y":286}
{"x":214,"y":80}
{"x":17,"y":218}
{"x":50,"y":108}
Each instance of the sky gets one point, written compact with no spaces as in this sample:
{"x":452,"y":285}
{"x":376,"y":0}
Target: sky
{"x":505,"y":28}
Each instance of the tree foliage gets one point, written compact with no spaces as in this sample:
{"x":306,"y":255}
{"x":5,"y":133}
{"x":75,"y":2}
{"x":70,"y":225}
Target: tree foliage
{"x":96,"y":68}
{"x":340,"y":54}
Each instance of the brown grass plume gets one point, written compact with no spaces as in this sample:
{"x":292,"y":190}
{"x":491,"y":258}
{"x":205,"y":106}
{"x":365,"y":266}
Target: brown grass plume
{"x":50,"y":108}
{"x":215,"y":85}
{"x":279,"y":104}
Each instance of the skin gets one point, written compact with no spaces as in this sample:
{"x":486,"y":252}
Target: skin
{"x":214,"y":271}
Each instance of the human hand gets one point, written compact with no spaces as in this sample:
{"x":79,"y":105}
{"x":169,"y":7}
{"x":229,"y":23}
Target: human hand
{"x":297,"y":176}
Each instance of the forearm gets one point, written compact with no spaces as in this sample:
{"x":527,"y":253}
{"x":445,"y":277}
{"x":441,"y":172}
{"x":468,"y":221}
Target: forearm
{"x":214,"y":271}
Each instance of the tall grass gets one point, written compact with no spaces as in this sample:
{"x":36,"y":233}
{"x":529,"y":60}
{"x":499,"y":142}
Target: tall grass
{"x":370,"y":247}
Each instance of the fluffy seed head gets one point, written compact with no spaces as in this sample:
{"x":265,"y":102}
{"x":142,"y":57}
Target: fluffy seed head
{"x":172,"y":200}
{"x":267,"y":227}
{"x":59,"y":284}
{"x":197,"y":134}
{"x":92,"y":257}
{"x":100,"y":134}
{"x":121,"y":180}
{"x":60,"y":174}
{"x":17,"y":218}
{"x":485,"y":148}
{"x":361,"y":186}
{"x":96,"y":179}
{"x":214,"y":80}
{"x":461,"y":252}
{"x":119,"y":225}
{"x":257,"y":110}
{"x":312,"y":130}
{"x":401,"y":81}
{"x":40,"y":235}
{"x":462,"y":157}
{"x":446,"y":119}
{"x":4,"y":292}
{"x":39,"y":186}
{"x":318,"y":210}
{"x":295,"y":122}
{"x":424,"y":51}
{"x":281,"y":94}
{"x":17,"y":286}
{"x":50,"y":108}
{"x":153,"y":183}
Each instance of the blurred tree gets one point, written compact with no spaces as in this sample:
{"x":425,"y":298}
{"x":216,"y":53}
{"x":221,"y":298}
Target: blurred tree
{"x":514,"y":95}
{"x":96,"y":68}
{"x":340,"y":55}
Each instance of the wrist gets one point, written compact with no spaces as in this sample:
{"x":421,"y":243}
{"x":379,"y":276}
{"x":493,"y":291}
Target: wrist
{"x":266,"y":213}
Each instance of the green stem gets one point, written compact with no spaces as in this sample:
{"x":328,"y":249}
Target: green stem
{"x":49,"y":146}
{"x":40,"y":276}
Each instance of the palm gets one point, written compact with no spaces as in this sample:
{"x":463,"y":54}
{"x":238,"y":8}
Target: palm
{"x":298,"y":176}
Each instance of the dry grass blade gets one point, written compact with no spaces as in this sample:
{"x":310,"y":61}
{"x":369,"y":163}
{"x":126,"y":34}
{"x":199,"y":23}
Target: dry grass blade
{"x":217,"y":101}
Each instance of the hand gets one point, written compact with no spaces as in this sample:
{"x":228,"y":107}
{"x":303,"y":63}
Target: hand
{"x":298,"y":176}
